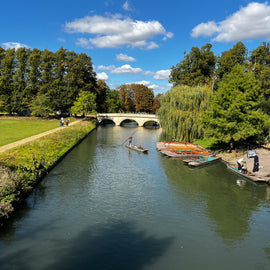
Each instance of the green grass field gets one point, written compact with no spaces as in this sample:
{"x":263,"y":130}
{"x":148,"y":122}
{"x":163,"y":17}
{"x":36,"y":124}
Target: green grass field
{"x":14,"y":130}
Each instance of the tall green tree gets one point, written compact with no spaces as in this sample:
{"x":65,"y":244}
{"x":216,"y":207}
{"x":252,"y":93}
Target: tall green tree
{"x":234,"y":113}
{"x":85,"y":103}
{"x":230,"y":58}
{"x":181,"y":110}
{"x":6,"y":79}
{"x":197,"y":68}
{"x":101,"y":95}
{"x":112,"y":101}
{"x":20,"y":98}
{"x":260,"y":66}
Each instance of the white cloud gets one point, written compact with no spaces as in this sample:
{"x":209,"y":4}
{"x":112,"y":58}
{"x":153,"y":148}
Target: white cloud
{"x":101,"y":67}
{"x":14,"y":45}
{"x":149,"y":73}
{"x":102,"y":76}
{"x":115,"y":31}
{"x":146,"y":83}
{"x":126,"y":69}
{"x":162,"y":74}
{"x":160,"y":87}
{"x":250,"y":22}
{"x":124,"y":57}
{"x":126,"y":6}
{"x":205,"y":29}
{"x":152,"y":45}
{"x":85,"y":43}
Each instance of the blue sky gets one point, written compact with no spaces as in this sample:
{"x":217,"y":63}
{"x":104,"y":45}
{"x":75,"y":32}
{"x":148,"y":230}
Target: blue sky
{"x":134,"y":41}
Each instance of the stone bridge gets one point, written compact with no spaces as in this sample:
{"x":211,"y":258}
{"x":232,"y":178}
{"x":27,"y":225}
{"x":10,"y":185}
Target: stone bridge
{"x":118,"y":118}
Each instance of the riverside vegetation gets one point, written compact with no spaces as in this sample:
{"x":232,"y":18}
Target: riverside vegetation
{"x":22,"y":167}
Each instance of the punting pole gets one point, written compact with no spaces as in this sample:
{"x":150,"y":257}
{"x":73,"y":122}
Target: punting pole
{"x":128,"y":137}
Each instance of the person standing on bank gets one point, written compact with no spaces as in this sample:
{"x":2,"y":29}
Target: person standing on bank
{"x":256,"y":163}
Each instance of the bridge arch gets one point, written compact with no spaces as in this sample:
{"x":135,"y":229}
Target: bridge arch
{"x":118,"y":118}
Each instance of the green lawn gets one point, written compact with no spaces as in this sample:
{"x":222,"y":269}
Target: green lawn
{"x":14,"y":130}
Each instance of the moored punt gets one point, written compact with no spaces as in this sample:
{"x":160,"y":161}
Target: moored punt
{"x":201,"y":161}
{"x":181,"y":150}
{"x":250,"y":176}
{"x":136,"y":148}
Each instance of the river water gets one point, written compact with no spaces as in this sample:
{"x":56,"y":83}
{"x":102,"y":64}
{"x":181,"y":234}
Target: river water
{"x":107,"y":207}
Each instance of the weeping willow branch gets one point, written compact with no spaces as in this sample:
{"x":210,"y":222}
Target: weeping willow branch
{"x":181,"y":110}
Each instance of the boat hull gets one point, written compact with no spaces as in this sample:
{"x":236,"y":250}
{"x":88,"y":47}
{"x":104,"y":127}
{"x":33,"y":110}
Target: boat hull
{"x":135,"y":148}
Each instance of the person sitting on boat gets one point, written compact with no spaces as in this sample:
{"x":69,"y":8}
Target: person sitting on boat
{"x":130,"y":140}
{"x":239,"y":164}
{"x":140,"y":147}
{"x":244,"y":167}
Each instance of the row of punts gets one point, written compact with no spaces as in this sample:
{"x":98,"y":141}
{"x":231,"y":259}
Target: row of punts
{"x":196,"y":156}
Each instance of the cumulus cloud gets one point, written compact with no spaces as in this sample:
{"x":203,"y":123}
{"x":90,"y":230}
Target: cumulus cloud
{"x":124,"y":57}
{"x":159,"y":88}
{"x":162,"y":74}
{"x":102,"y":76}
{"x":250,"y":22}
{"x":146,"y":83}
{"x":101,"y":67}
{"x":85,"y":43}
{"x":126,"y":69}
{"x":14,"y":45}
{"x":115,"y":31}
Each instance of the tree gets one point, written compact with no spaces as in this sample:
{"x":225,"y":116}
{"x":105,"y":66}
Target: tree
{"x":197,"y":68}
{"x":230,"y":58}
{"x":156,"y":103}
{"x":180,"y":112}
{"x":40,"y":106}
{"x":85,"y":103}
{"x":20,"y":99}
{"x":234,"y":113}
{"x":6,"y":79}
{"x":126,"y":93}
{"x":101,"y":95}
{"x":143,"y":98}
{"x":112,"y":101}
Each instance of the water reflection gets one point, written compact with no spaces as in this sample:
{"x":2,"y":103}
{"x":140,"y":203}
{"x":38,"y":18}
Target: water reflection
{"x":116,"y":246}
{"x":228,"y":206}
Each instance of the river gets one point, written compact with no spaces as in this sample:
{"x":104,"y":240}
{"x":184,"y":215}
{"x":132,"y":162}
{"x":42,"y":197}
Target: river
{"x":107,"y":207}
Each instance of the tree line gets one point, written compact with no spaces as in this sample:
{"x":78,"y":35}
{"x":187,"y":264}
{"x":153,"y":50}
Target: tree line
{"x":225,"y":98}
{"x":45,"y":82}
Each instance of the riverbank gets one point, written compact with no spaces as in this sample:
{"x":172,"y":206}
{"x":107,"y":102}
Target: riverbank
{"x":264,"y":161}
{"x":22,"y":167}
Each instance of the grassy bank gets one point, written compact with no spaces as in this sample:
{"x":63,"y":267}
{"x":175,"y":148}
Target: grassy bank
{"x":12,"y":130}
{"x":22,"y":167}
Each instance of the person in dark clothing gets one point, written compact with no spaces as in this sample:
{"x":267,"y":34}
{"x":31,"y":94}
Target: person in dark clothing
{"x":130,"y":140}
{"x":256,"y":163}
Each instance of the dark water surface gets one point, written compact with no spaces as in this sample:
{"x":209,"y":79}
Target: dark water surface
{"x":105,"y":207}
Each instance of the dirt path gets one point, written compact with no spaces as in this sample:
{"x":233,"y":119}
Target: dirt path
{"x":34,"y":137}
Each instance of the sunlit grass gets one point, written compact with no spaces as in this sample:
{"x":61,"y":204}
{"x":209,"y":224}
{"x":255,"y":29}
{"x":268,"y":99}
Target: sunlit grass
{"x":14,"y":130}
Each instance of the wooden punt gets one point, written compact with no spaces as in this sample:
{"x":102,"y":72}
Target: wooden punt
{"x":201,"y":161}
{"x":138,"y":149}
{"x":249,"y":176}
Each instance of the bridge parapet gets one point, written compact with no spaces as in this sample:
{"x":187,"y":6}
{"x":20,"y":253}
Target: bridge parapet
{"x":118,"y":118}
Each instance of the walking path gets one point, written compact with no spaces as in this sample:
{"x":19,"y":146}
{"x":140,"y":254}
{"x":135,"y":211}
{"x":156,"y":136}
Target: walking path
{"x":34,"y":137}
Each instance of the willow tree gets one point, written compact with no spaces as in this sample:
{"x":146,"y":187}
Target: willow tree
{"x":181,"y":110}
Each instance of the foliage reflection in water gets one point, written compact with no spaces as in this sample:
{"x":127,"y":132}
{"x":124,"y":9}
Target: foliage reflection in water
{"x":106,"y":207}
